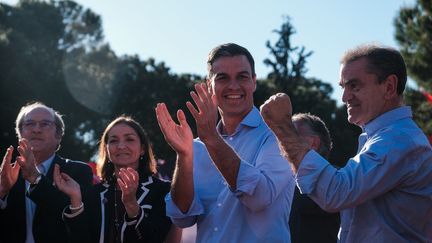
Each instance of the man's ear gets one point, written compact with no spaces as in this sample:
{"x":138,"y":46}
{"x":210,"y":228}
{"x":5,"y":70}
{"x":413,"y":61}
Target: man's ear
{"x":390,"y":86}
{"x":58,"y":137}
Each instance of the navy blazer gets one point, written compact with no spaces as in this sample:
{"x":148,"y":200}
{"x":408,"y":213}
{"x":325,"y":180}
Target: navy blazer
{"x":96,"y":222}
{"x":309,"y":223}
{"x":50,"y":202}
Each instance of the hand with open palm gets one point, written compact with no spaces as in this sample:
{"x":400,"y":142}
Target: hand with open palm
{"x":178,"y":136}
{"x":68,"y":186}
{"x":8,"y":173}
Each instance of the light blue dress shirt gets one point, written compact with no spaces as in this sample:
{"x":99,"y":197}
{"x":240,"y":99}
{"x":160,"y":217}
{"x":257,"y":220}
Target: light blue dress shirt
{"x":30,"y":205}
{"x":258,"y":210}
{"x":385,"y":191}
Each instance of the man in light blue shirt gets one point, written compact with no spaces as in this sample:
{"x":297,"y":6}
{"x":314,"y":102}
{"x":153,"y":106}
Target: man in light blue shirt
{"x":231,"y":181}
{"x":385,"y":191}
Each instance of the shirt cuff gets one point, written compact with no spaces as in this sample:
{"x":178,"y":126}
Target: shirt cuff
{"x":174,"y":212}
{"x":247,"y":179}
{"x":309,"y":171}
{"x":181,"y":219}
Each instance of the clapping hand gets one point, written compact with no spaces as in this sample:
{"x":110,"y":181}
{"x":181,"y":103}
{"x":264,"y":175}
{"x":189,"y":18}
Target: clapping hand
{"x":67,"y":185}
{"x":8,"y":173}
{"x":127,"y":180}
{"x":178,"y":136}
{"x":27,"y":161}
{"x":206,"y":114}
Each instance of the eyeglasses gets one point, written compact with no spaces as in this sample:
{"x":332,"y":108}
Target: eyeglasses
{"x":44,"y":124}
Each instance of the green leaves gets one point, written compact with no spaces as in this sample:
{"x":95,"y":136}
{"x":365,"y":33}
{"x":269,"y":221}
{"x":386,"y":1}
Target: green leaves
{"x":414,"y":35}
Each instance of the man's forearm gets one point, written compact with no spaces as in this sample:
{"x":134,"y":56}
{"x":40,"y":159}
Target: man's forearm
{"x":293,"y":147}
{"x":182,"y":188}
{"x":225,"y":159}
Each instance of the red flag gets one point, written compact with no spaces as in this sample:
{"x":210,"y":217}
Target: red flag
{"x":93,"y":166}
{"x":428,"y":96}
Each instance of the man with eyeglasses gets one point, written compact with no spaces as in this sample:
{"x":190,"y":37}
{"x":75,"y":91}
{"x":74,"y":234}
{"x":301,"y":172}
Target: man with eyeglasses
{"x":30,"y":204}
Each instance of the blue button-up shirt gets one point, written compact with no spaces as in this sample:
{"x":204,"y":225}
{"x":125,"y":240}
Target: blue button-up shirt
{"x":258,"y":210}
{"x":385,"y":191}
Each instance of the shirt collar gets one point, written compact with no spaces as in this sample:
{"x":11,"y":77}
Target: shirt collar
{"x":252,"y":119}
{"x":44,"y":166}
{"x":386,"y":119}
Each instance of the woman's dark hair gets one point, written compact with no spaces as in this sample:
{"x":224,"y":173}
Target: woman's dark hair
{"x":147,"y":163}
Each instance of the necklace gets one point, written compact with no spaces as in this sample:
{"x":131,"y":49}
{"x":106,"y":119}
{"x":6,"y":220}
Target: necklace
{"x":118,"y":219}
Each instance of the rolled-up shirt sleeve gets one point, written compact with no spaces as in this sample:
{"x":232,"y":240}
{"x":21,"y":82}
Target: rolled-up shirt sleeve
{"x":259,"y":184}
{"x":179,"y":218}
{"x":375,"y":170}
{"x":310,"y":171}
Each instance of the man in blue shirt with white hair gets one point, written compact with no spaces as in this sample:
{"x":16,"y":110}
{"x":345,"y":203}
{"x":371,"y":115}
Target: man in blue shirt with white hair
{"x":385,"y":191}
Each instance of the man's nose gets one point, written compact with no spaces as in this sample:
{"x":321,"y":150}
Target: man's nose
{"x":233,"y":83}
{"x":346,"y":95}
{"x":37,"y":127}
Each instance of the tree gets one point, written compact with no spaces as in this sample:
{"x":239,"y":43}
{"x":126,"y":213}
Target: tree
{"x":144,"y":84}
{"x":414,"y":36}
{"x":32,"y":68}
{"x":288,"y":76}
{"x":54,"y":52}
{"x":82,"y":27}
{"x":288,"y":63}
{"x":287,"y":71}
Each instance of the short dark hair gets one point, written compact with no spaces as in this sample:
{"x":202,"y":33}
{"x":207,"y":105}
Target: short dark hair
{"x":382,"y":61}
{"x":318,"y":128}
{"x":147,"y":163}
{"x":228,"y":50}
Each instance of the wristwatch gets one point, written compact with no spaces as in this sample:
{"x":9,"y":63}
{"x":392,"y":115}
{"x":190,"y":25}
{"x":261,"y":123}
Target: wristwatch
{"x":35,"y":182}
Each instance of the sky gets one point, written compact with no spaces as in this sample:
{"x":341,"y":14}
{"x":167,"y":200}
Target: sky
{"x":181,"y":33}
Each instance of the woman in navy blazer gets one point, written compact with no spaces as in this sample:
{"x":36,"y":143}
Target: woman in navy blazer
{"x":128,"y":205}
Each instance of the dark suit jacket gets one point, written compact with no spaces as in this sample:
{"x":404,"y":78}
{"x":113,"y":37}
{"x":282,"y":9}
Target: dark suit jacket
{"x":50,"y":202}
{"x":309,"y":223}
{"x":98,"y":215}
